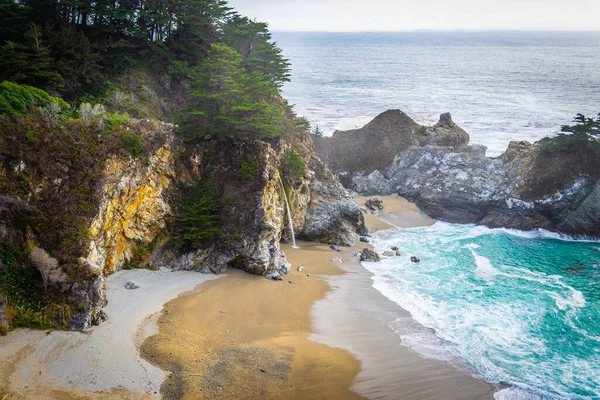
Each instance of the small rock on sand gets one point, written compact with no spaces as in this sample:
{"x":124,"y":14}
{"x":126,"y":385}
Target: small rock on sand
{"x":300,"y":268}
{"x":131,"y":286}
{"x":338,"y":260}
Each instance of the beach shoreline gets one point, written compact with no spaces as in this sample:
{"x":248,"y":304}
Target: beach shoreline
{"x":322,"y":333}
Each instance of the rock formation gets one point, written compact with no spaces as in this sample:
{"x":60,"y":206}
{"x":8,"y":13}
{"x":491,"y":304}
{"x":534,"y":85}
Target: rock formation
{"x":376,"y":145}
{"x":530,"y":186}
{"x":117,"y":210}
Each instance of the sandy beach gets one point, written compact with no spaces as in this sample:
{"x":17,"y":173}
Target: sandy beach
{"x":323,"y":336}
{"x":321,"y":333}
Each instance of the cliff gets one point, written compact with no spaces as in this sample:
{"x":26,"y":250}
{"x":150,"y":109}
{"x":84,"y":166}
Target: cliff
{"x":79,"y":203}
{"x":530,"y":186}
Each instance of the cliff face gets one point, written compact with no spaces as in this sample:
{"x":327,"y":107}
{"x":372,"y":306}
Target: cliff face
{"x":125,"y":217}
{"x":528,"y":187}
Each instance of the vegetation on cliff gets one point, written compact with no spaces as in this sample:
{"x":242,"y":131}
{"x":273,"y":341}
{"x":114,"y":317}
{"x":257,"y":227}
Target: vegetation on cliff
{"x":83,"y":85}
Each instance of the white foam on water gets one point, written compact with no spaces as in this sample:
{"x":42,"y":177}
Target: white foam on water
{"x":488,"y":336}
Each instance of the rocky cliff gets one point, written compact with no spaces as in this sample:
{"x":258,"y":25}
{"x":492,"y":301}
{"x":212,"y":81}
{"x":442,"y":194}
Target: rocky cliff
{"x":530,"y":186}
{"x":78,"y":207}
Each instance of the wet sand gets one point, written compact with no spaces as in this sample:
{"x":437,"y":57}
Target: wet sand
{"x":326,"y":336}
{"x":245,"y":337}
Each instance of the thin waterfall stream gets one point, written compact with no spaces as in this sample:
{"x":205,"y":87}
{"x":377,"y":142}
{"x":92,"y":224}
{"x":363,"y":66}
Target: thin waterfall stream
{"x":289,"y":213}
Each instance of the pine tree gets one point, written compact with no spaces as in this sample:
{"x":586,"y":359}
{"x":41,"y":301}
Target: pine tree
{"x":225,"y":101}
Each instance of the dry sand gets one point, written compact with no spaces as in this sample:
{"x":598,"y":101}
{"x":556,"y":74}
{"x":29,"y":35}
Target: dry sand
{"x":326,"y":336}
{"x":323,"y":336}
{"x":103,"y":362}
{"x":245,"y":337}
{"x":398,"y":213}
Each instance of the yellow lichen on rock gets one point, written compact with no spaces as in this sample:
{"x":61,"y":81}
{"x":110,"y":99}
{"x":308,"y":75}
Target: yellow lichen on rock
{"x":133,"y":209}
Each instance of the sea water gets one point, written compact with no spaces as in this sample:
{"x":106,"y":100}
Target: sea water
{"x":499,"y":86}
{"x":521,"y":309}
{"x":517,"y":309}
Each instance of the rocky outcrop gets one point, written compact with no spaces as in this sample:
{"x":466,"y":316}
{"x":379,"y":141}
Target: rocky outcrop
{"x":375,"y":146}
{"x":332,"y":216}
{"x":3,"y":320}
{"x":528,"y":187}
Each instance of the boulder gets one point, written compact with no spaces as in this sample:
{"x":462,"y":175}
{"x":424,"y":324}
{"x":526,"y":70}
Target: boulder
{"x":389,"y":253}
{"x":131,"y":286}
{"x":445,"y":134}
{"x":369,"y":255}
{"x":375,"y":204}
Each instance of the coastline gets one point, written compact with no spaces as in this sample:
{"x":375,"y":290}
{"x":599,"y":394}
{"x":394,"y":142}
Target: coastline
{"x":326,"y":336}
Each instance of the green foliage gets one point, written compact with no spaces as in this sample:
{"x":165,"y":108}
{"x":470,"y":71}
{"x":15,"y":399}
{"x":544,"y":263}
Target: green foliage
{"x":293,"y":163}
{"x":199,"y":217}
{"x":318,"y":133}
{"x":16,"y":100}
{"x":581,"y":137}
{"x":225,"y":101}
{"x":132,"y":142}
{"x":116,"y":120}
{"x":421,"y":130}
{"x":248,"y":168}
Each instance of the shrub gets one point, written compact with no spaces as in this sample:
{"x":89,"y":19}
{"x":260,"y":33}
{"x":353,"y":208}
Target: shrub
{"x":3,"y":330}
{"x":16,"y":100}
{"x":248,"y":168}
{"x":114,"y":120}
{"x":293,"y":164}
{"x":199,"y":216}
{"x":132,"y":143}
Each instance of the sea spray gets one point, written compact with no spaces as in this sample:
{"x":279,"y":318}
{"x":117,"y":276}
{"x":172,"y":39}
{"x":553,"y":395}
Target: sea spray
{"x":289,"y":213}
{"x":513,"y":307}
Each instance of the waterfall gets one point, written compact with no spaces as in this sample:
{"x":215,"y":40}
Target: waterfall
{"x":289,"y":213}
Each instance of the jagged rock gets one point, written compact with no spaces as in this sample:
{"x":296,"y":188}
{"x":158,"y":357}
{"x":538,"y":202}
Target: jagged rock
{"x":445,"y":133}
{"x":364,"y":239}
{"x":369,"y":256}
{"x":274,"y":277}
{"x":375,"y":204}
{"x":389,"y":253}
{"x":527,"y":187}
{"x":3,"y":319}
{"x":131,"y":286}
{"x":284,"y":270}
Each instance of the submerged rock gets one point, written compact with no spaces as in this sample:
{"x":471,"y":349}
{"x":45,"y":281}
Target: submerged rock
{"x":369,"y":255}
{"x":389,"y":253}
{"x":415,"y":259}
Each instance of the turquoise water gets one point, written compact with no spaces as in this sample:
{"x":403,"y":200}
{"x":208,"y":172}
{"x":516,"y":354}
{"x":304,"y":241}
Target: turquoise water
{"x":517,"y":308}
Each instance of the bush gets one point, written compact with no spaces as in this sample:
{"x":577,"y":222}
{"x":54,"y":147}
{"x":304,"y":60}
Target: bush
{"x":132,"y":143}
{"x":16,"y":100}
{"x":293,"y":164}
{"x":114,"y":120}
{"x":248,"y":168}
{"x":199,"y":216}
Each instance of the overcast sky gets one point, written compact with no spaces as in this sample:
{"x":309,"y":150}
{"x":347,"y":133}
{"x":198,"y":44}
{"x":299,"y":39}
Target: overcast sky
{"x":399,"y":15}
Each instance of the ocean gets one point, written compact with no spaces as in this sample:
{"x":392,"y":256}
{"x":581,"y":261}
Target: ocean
{"x":498,"y":86}
{"x":518,"y":309}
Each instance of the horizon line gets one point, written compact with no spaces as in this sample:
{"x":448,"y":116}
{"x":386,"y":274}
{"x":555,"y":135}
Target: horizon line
{"x":446,"y":30}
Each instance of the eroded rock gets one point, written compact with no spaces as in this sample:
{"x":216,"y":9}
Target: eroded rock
{"x":369,"y":255}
